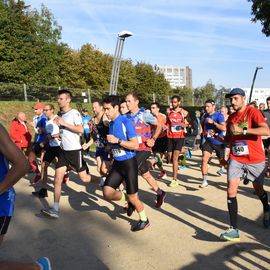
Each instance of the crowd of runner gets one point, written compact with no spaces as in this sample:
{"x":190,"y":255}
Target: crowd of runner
{"x":130,"y":141}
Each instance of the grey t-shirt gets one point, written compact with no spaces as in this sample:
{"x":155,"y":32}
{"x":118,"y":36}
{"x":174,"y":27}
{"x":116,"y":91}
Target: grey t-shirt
{"x":266,"y":114}
{"x":70,"y":140}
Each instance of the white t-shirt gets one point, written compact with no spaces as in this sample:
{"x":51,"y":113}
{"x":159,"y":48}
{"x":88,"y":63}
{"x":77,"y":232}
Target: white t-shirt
{"x":53,"y":129}
{"x":70,"y":140}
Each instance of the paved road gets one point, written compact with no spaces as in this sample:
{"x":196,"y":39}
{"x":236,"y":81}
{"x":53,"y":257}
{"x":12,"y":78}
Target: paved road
{"x":94,"y":234}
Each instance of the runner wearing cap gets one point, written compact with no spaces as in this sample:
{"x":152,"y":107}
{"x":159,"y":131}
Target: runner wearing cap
{"x":212,"y":122}
{"x":245,"y":129}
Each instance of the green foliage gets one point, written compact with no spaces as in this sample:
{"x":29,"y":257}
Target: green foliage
{"x":186,"y":95}
{"x":260,"y":10}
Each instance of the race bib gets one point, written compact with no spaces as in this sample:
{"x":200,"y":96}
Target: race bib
{"x":240,"y":149}
{"x":85,"y":126}
{"x":99,"y":144}
{"x":209,"y":132}
{"x":139,"y":139}
{"x":176,"y":128}
{"x":118,"y":152}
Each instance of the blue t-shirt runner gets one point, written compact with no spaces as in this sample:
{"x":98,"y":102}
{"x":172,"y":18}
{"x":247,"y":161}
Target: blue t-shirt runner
{"x":123,"y":129}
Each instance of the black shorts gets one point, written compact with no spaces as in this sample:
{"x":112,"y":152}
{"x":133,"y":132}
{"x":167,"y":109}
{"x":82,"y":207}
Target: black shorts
{"x":175,"y":144}
{"x":51,"y":153}
{"x":160,"y":145}
{"x":73,"y":159}
{"x":143,"y":163}
{"x":126,"y":170}
{"x":4,"y":223}
{"x":218,"y":148}
{"x":266,"y":143}
{"x":37,"y":149}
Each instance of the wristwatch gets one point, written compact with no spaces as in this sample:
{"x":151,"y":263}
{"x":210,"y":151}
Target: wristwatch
{"x":119,"y":141}
{"x":245,"y":131}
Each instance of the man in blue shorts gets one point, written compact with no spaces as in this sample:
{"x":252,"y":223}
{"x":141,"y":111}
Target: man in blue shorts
{"x":123,"y":139}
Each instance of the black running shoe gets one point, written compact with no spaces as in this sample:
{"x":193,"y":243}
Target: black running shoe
{"x":130,"y":209}
{"x":42,"y":193}
{"x":160,"y":198}
{"x":141,"y":225}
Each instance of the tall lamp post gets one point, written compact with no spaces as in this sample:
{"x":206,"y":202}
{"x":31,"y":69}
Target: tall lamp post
{"x":117,"y":61}
{"x":254,"y":78}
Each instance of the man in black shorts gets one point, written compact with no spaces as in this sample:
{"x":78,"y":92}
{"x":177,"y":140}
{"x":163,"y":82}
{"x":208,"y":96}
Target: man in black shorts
{"x":212,"y":122}
{"x":123,"y":140}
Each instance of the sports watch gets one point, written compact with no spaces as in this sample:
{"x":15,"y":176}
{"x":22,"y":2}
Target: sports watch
{"x":244,"y":130}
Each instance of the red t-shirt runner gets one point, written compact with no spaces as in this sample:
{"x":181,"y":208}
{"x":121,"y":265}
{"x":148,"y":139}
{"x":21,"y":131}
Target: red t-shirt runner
{"x":246,"y":148}
{"x":176,"y":124}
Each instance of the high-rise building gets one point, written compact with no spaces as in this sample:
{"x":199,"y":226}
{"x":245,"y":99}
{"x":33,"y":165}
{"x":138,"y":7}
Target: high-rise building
{"x":176,"y":76}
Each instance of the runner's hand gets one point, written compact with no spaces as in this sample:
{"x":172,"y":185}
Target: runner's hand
{"x":150,"y":142}
{"x":112,"y":139}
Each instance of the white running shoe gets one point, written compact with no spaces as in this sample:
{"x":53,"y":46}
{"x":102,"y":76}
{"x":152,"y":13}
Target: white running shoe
{"x":203,"y":184}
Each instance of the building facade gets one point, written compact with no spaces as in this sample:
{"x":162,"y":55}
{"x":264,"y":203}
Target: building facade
{"x":176,"y":76}
{"x":258,"y":94}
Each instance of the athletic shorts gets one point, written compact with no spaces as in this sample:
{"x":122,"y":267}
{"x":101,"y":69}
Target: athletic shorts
{"x":175,"y":144}
{"x":126,"y":170}
{"x":160,"y":145}
{"x":255,"y":171}
{"x":143,"y":163}
{"x":51,"y":153}
{"x":218,"y":148}
{"x":73,"y":159}
{"x":100,"y":152}
{"x":37,"y":149}
{"x":4,"y":223}
{"x":266,"y":143}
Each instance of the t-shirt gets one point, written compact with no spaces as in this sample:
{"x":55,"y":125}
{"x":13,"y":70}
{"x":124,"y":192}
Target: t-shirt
{"x":70,"y":140}
{"x":207,"y":128}
{"x":266,"y":114}
{"x":161,"y":118}
{"x":53,"y":129}
{"x":122,"y":128}
{"x":41,"y":123}
{"x":176,"y":124}
{"x":7,"y":199}
{"x":85,"y":121}
{"x":246,"y":148}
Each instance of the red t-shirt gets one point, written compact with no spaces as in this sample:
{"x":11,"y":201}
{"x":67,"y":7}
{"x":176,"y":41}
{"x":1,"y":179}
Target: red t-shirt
{"x":176,"y":124}
{"x":246,"y":148}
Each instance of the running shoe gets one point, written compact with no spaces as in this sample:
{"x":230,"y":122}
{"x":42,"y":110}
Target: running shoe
{"x":220,"y":172}
{"x":141,"y":225}
{"x":266,"y":220}
{"x":36,"y":179}
{"x":51,"y":212}
{"x":230,"y":235}
{"x":42,"y":193}
{"x":130,"y":209}
{"x":203,"y":184}
{"x":173,"y":183}
{"x":163,"y":175}
{"x":44,"y":263}
{"x":182,"y":167}
{"x":66,"y":178}
{"x":160,"y":198}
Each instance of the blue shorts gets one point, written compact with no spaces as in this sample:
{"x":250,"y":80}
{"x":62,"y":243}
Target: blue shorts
{"x":100,"y":152}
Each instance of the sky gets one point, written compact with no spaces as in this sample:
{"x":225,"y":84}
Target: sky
{"x":215,"y":38}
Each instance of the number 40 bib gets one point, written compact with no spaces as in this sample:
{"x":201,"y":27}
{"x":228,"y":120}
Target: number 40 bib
{"x":240,"y":148}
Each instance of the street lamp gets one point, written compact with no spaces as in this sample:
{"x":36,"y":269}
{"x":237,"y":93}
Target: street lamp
{"x":117,"y":60}
{"x":254,"y":78}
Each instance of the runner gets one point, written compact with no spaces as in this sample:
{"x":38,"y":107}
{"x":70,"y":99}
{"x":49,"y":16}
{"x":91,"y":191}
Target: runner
{"x":86,"y":120}
{"x":176,"y":133}
{"x":266,"y":140}
{"x":160,"y":147}
{"x":39,"y":125}
{"x":100,"y":132}
{"x":9,"y":152}
{"x":142,"y":120}
{"x":244,"y":130}
{"x":123,"y":139}
{"x":70,"y":155}
{"x":123,"y":108}
{"x":212,"y":121}
{"x":52,"y":146}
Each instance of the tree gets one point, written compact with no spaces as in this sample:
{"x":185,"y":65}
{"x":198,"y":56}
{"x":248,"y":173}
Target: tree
{"x":186,"y":95}
{"x":260,"y":10}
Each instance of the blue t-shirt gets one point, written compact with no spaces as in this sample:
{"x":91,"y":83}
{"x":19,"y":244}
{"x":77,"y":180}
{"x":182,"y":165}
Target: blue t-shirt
{"x":7,"y":199}
{"x":122,"y":128}
{"x":41,"y":123}
{"x":85,"y":121}
{"x":218,"y":118}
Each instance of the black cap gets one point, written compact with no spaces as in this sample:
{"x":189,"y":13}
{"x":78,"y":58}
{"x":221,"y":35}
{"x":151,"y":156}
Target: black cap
{"x":211,"y":101}
{"x":235,"y":91}
{"x":84,"y":110}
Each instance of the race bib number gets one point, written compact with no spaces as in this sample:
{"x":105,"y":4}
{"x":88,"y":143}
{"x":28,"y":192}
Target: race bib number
{"x":139,"y":139}
{"x":240,"y":149}
{"x":85,"y":126}
{"x":117,"y":152}
{"x":176,"y":128}
{"x":209,"y":132}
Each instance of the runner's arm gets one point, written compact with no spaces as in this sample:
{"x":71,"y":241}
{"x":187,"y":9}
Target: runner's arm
{"x":261,"y":130}
{"x":12,"y":153}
